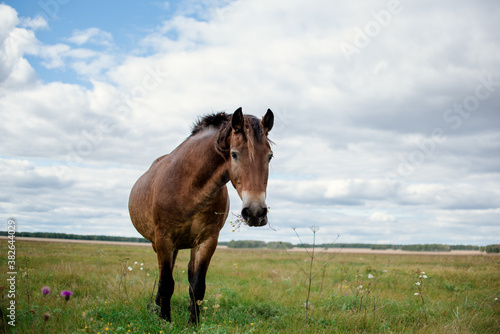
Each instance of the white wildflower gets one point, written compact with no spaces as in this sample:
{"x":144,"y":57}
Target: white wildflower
{"x":130,"y":269}
{"x":416,"y":294}
{"x":370,"y":276}
{"x":418,"y":283}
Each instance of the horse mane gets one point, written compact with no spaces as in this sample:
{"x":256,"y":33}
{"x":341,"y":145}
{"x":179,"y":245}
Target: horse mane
{"x":252,"y":130}
{"x":215,"y":119}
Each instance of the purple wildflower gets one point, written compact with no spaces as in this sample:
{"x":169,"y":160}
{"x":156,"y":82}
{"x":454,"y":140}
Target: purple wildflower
{"x":66,"y":294}
{"x":46,"y":290}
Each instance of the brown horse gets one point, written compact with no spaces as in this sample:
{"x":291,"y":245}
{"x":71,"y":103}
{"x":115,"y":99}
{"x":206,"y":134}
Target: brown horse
{"x":182,"y":200}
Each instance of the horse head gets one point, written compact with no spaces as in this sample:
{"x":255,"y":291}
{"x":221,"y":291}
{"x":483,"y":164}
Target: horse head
{"x":250,"y":155}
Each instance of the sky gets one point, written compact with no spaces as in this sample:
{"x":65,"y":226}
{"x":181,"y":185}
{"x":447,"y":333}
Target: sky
{"x":387,"y":113}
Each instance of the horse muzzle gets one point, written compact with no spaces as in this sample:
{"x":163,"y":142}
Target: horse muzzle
{"x":255,"y":217}
{"x":254,"y":213}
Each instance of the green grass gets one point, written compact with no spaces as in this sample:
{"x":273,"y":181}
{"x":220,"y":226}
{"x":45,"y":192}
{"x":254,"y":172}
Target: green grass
{"x":258,"y":291}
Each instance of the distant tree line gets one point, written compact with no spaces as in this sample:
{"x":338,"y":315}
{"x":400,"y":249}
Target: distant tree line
{"x":491,"y":249}
{"x":279,"y":245}
{"x":413,"y":248}
{"x":334,"y":246}
{"x":258,"y":244}
{"x":246,"y":244}
{"x":51,"y":235}
{"x":384,"y":247}
{"x":426,"y":248}
{"x":270,"y":245}
{"x":464,"y":247}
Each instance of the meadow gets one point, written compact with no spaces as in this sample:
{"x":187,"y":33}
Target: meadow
{"x":252,"y":291}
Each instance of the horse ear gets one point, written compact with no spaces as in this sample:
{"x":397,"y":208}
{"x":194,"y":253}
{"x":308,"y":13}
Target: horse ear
{"x":268,"y":121}
{"x":237,"y":121}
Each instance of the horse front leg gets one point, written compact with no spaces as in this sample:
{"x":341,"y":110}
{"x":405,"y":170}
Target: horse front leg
{"x":197,"y":271}
{"x":166,"y":261}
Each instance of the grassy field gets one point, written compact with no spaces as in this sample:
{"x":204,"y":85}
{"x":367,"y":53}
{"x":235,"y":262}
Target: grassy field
{"x":257,"y":291}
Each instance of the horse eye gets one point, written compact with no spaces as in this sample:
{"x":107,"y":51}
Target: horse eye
{"x":270,"y":157}
{"x":234,"y":155}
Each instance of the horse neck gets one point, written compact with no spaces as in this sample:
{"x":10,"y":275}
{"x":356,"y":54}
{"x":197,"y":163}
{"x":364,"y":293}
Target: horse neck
{"x":209,"y":169}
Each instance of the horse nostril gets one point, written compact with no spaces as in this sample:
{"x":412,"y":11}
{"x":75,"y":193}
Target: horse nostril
{"x":262,"y":213}
{"x":245,"y":213}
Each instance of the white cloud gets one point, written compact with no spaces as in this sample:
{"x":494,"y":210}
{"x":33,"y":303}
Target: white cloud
{"x":35,"y":23}
{"x":91,"y":36}
{"x":86,"y":63}
{"x":15,"y":71}
{"x":344,"y":131}
{"x":382,"y":217}
{"x":54,"y":55}
{"x":9,"y":19}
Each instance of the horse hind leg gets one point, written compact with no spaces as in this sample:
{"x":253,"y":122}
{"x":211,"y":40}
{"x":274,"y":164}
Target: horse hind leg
{"x":197,"y":272}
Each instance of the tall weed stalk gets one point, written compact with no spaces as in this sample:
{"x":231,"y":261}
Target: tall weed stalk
{"x":310,"y":273}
